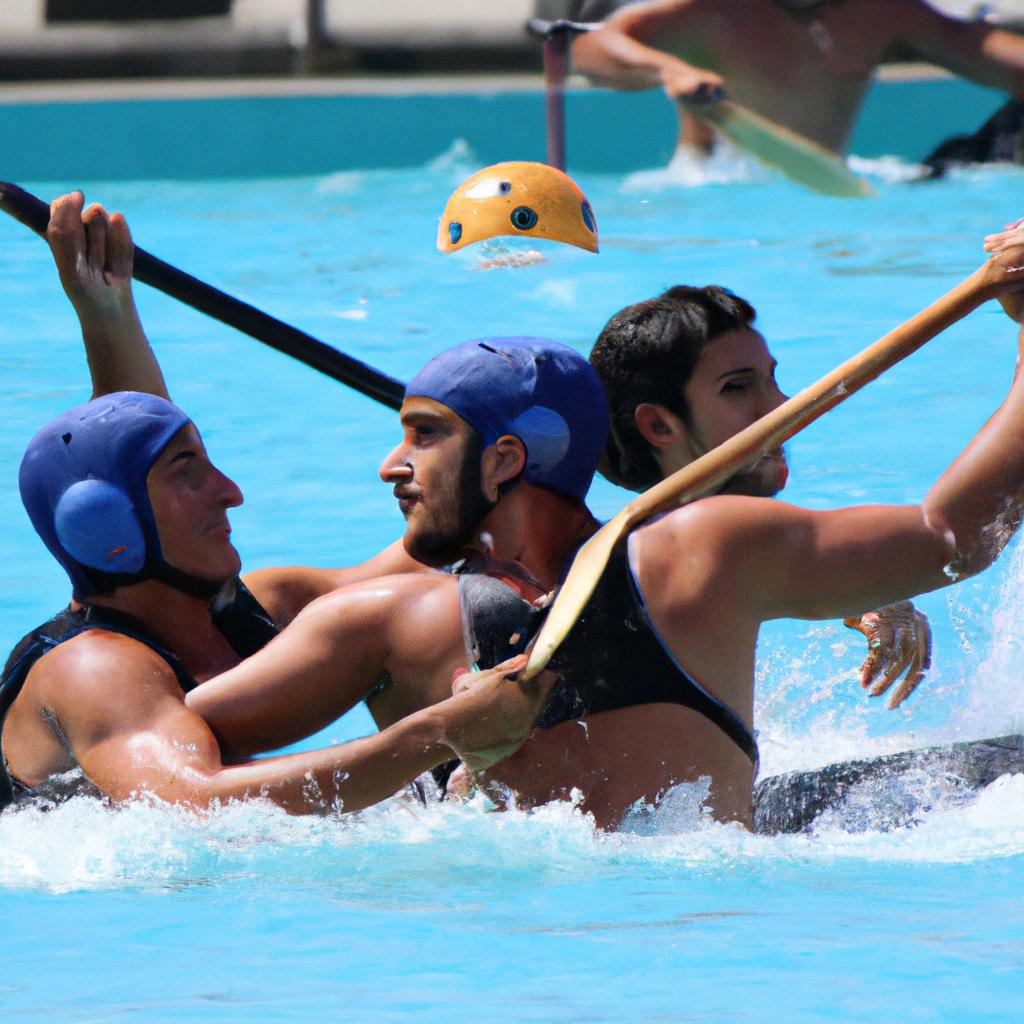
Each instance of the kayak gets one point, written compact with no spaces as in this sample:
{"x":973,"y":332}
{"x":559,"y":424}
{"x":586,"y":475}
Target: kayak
{"x":889,"y":791}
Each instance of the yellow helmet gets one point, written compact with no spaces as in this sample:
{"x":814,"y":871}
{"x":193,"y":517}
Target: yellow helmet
{"x":517,"y":198}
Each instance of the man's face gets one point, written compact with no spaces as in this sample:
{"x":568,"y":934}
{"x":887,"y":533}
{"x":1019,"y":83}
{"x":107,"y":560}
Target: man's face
{"x":436,"y":476}
{"x":732,"y":386}
{"x":190,"y":498}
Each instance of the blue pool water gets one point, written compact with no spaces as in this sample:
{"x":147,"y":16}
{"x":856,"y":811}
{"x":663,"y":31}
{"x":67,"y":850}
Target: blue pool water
{"x":405,"y":913}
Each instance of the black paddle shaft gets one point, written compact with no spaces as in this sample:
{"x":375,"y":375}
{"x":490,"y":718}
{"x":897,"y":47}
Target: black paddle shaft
{"x":35,"y":214}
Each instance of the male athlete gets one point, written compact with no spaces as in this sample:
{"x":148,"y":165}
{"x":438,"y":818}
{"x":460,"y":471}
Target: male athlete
{"x":93,"y":254}
{"x":658,"y":687}
{"x":123,"y":494}
{"x":805,"y":64}
{"x":656,"y":683}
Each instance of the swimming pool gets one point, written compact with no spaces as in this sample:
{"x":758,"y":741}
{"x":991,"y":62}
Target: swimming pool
{"x":428,"y":914}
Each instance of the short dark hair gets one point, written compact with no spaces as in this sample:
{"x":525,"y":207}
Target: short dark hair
{"x":646,"y":353}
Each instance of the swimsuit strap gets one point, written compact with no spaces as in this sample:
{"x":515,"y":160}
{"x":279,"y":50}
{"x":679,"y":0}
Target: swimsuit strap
{"x":64,"y":626}
{"x":242,"y":620}
{"x":708,"y":704}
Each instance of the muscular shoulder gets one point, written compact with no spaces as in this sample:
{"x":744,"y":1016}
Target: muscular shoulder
{"x":720,"y":522}
{"x":386,"y":604}
{"x":720,"y":545}
{"x":284,"y":591}
{"x":97,"y":679}
{"x":94,"y":686}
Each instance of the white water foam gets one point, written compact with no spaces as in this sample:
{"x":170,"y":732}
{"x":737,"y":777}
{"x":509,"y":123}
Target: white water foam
{"x":689,"y":168}
{"x":85,"y":846}
{"x":891,"y":170}
{"x":994,"y":698}
{"x":458,"y":159}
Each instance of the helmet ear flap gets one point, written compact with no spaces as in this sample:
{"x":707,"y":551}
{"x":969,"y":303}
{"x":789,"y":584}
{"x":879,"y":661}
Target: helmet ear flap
{"x":98,"y":525}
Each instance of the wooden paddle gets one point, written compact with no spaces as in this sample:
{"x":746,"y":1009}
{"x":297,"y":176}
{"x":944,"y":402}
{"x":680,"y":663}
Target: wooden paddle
{"x":35,"y":214}
{"x":795,"y":155}
{"x":713,"y":469}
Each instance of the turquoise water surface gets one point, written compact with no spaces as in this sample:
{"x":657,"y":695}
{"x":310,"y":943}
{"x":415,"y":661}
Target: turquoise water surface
{"x":450,"y":912}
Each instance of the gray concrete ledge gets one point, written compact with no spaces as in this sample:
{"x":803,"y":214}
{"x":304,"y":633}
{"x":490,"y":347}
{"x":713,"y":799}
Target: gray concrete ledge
{"x":87,"y":90}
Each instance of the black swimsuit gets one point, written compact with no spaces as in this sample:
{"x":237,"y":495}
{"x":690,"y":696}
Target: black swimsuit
{"x":613,"y":657}
{"x":236,"y":613}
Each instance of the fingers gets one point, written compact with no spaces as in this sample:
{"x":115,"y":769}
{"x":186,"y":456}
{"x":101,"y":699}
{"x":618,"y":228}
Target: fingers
{"x":92,"y":242}
{"x":95,"y":221}
{"x":120,"y":248}
{"x":466,"y":678}
{"x":461,"y":680}
{"x":706,"y":92}
{"x":893,"y":667}
{"x":693,"y":86}
{"x":920,"y":664}
{"x":513,"y":665}
{"x":1010,"y":235}
{"x":869,"y":627}
{"x":899,"y":641}
{"x":65,"y":234}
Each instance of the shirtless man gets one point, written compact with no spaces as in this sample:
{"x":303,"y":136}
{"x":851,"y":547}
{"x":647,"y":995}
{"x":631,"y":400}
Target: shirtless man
{"x":475,"y":475}
{"x":805,"y":64}
{"x":93,"y":254}
{"x":687,"y":370}
{"x":657,"y":687}
{"x":122,"y":492}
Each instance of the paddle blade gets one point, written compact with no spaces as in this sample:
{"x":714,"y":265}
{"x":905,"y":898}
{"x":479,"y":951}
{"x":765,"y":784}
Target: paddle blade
{"x":574,"y":594}
{"x":793,"y":154}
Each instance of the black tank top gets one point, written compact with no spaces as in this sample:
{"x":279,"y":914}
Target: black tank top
{"x":239,"y":617}
{"x":613,"y":657}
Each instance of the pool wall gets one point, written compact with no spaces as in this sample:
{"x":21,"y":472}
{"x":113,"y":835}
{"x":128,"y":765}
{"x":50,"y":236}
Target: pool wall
{"x":230,"y":136}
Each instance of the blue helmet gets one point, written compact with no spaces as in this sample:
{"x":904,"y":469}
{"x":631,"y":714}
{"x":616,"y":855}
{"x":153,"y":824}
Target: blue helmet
{"x":540,"y":391}
{"x":83,"y":484}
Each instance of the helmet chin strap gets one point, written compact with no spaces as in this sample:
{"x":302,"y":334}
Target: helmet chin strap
{"x":194,"y":586}
{"x":186,"y":583}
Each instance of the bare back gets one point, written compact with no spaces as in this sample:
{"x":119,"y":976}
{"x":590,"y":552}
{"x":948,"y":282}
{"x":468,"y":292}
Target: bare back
{"x":808,"y":71}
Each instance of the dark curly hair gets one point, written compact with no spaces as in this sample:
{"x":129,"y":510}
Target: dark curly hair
{"x":646,"y":353}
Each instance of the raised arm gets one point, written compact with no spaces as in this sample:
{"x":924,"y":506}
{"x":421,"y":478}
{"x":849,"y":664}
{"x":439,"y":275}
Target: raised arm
{"x":93,"y":253}
{"x":723,"y":565}
{"x":617,"y":55}
{"x":976,"y":50}
{"x":827,"y":564}
{"x":134,"y":737}
{"x":92,"y":250}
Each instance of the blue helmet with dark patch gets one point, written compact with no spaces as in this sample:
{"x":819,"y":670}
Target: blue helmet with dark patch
{"x":83,"y":484}
{"x":538,"y":390}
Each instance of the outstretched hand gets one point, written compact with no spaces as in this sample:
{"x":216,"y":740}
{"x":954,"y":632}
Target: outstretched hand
{"x":490,"y":713}
{"x":1006,"y":248}
{"x":899,"y":641}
